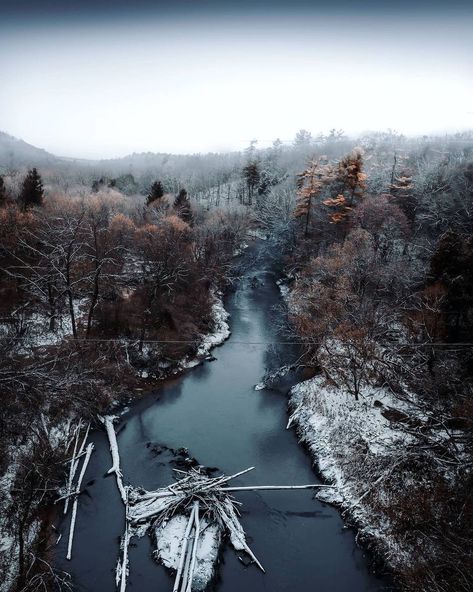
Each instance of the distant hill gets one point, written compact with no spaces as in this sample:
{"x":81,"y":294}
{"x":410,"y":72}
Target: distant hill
{"x":131,"y":174}
{"x":15,"y":153}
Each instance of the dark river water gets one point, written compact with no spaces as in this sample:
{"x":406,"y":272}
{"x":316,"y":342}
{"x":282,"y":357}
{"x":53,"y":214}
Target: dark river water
{"x":214,"y":412}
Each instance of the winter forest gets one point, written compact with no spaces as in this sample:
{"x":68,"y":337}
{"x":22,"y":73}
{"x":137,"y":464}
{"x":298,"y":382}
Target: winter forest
{"x":109,"y":282}
{"x":233,"y":368}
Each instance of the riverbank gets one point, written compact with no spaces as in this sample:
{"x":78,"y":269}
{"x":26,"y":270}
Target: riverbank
{"x":368,"y":448}
{"x":135,"y":383}
{"x":353,"y":445}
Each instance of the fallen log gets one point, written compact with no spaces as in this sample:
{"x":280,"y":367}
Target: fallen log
{"x":115,"y":468}
{"x":122,"y":568}
{"x":274,"y":487}
{"x":185,"y":573}
{"x":90,"y":448}
{"x":219,"y":480}
{"x":229,"y":518}
{"x":72,"y":470}
{"x":77,"y":454}
{"x":182,"y":558}
{"x":169,"y":493}
{"x":194,"y":547}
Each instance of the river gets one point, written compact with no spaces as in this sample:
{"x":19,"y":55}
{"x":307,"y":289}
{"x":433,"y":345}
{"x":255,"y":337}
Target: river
{"x":214,"y":412}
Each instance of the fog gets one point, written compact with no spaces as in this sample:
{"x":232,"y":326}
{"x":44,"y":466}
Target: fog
{"x":200,"y":82}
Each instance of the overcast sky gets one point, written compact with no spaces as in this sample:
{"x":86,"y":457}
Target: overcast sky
{"x":103,"y":78}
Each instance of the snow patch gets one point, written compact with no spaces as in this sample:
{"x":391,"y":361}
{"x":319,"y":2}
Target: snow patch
{"x":169,"y":539}
{"x":221,"y":330}
{"x":219,"y":335}
{"x":284,"y":289}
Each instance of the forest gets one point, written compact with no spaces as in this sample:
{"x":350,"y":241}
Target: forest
{"x":114,"y":274}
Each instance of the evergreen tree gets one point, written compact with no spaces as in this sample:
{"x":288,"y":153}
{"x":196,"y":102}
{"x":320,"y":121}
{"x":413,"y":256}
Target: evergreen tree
{"x":182,"y":205}
{"x":156,"y":192}
{"x":303,"y":139}
{"x":251,"y":174}
{"x":32,"y":192}
{"x":3,"y":193}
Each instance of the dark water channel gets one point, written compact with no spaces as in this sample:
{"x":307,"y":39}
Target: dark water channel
{"x":214,"y":412}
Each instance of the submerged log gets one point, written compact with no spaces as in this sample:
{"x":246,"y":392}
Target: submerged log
{"x":229,"y":518}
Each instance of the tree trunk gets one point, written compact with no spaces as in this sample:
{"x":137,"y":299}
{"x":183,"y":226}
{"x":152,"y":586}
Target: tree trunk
{"x":307,"y":218}
{"x":52,"y":308}
{"x":93,"y":302}
{"x":71,"y":313}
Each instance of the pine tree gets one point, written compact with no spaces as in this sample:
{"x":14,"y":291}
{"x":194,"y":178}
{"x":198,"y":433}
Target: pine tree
{"x":3,"y":193}
{"x":252,"y":175}
{"x":156,"y":192}
{"x":32,"y":192}
{"x":303,"y":139}
{"x":182,"y":205}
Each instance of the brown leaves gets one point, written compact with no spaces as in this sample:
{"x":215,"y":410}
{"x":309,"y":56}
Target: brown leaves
{"x":335,"y":201}
{"x":350,"y":171}
{"x":340,"y":204}
{"x":347,"y":176}
{"x":12,"y":222}
{"x":310,"y":184}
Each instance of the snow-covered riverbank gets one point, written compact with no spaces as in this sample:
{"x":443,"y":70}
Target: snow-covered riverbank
{"x":366,"y":449}
{"x":355,"y":447}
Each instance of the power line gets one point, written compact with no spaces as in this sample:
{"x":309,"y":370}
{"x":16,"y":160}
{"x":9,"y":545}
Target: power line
{"x":230,"y":341}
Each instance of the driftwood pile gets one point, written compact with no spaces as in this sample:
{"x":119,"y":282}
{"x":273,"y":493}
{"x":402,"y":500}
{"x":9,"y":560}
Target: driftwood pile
{"x":204,"y":504}
{"x":200,"y":498}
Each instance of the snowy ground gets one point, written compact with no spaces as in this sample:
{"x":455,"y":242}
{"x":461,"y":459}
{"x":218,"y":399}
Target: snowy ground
{"x":356,"y":448}
{"x":169,"y":539}
{"x":38,"y":333}
{"x":8,"y":550}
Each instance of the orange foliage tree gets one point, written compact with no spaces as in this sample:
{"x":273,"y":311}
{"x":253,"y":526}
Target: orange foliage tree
{"x":351,"y":179}
{"x":311,"y":183}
